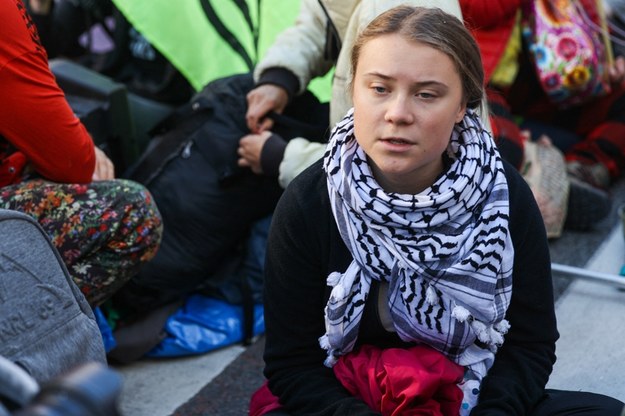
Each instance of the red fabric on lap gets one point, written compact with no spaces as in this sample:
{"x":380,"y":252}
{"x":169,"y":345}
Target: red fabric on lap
{"x":402,"y":382}
{"x":394,"y":381}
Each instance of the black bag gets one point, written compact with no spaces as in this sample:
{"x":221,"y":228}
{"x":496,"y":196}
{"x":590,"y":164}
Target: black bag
{"x":207,"y":202}
{"x":46,"y":325}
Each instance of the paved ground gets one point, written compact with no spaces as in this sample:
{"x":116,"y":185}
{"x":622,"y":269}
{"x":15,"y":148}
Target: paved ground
{"x":592,"y":329}
{"x":590,"y":353}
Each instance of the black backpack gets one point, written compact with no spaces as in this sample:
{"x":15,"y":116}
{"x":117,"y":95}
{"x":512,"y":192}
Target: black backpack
{"x":207,"y":202}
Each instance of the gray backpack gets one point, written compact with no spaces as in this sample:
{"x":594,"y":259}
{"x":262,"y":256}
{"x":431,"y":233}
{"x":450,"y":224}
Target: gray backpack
{"x":46,"y":325}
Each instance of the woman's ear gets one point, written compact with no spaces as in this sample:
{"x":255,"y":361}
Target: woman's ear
{"x":461,"y":112}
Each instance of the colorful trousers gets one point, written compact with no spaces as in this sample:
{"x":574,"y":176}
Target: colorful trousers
{"x":104,"y":231}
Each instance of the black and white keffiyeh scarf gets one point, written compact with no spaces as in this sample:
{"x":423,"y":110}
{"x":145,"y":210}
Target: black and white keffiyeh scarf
{"x":446,"y":252}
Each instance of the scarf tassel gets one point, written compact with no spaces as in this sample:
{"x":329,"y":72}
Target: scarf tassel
{"x":503,"y":326}
{"x":460,"y":313}
{"x":431,"y":297}
{"x":334,"y":278}
{"x":488,"y":334}
{"x":332,"y":358}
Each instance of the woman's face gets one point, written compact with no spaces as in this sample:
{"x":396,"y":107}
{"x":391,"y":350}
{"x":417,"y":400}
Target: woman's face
{"x":407,"y":97}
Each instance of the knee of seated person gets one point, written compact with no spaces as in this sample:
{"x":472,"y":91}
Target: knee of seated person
{"x":137,"y":200}
{"x":141,"y":225}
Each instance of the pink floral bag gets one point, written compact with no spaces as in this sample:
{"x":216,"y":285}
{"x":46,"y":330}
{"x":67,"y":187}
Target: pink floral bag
{"x":570,"y":52}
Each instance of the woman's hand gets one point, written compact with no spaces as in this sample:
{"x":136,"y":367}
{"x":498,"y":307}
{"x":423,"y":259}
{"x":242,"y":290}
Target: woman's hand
{"x":250,"y":149}
{"x":260,"y":101}
{"x":104,"y":168}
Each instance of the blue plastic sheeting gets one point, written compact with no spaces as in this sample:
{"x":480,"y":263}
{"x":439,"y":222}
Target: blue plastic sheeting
{"x":105,"y":330}
{"x":204,"y":324}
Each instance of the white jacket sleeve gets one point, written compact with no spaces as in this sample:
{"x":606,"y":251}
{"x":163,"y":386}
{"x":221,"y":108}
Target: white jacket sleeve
{"x":298,"y":155}
{"x":300,"y":48}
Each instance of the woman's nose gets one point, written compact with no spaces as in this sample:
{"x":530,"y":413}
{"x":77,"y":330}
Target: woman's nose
{"x":399,"y":111}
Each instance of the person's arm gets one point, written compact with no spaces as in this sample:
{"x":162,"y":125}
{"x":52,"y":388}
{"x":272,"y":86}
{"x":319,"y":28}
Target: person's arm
{"x":37,"y":120}
{"x":296,"y":57}
{"x":295,"y":296}
{"x":300,"y":48}
{"x":523,"y":364}
{"x":269,"y":154}
{"x":299,"y":153}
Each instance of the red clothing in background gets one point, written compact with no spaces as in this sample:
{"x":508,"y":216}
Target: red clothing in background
{"x":491,"y":23}
{"x":37,"y":124}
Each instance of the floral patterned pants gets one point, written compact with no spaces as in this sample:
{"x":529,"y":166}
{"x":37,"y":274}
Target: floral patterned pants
{"x":104,"y":231}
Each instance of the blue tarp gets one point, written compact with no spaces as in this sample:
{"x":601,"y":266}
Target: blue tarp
{"x":204,"y":324}
{"x":105,"y":330}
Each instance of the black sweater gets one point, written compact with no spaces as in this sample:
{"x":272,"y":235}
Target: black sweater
{"x":305,"y":246}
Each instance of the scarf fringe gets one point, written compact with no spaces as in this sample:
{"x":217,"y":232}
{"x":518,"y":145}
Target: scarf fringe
{"x":492,"y":335}
{"x":334,"y":278}
{"x":503,"y":326}
{"x":332,"y":358}
{"x":460,"y":313}
{"x":431,"y":296}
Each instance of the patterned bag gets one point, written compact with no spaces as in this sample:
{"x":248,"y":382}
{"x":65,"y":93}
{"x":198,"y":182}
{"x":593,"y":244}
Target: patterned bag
{"x":544,"y":170}
{"x":571,"y":53}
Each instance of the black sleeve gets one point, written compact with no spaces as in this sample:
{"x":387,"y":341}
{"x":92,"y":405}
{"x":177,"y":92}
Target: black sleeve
{"x":523,"y":364}
{"x":281,"y":77}
{"x":272,"y":154}
{"x":295,"y":296}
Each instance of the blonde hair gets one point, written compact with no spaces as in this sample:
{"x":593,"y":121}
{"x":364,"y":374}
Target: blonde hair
{"x":435,"y":28}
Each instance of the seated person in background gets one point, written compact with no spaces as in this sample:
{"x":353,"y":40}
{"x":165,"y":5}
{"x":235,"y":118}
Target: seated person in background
{"x":590,"y":135}
{"x":412,"y":242}
{"x":104,"y":229}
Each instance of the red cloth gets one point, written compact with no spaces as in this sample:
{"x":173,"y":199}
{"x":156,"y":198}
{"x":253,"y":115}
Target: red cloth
{"x":263,"y":401}
{"x":394,"y":381}
{"x":35,"y":118}
{"x":403,"y":382}
{"x":491,"y":23}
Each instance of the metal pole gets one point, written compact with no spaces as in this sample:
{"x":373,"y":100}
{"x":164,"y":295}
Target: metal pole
{"x":606,"y":278}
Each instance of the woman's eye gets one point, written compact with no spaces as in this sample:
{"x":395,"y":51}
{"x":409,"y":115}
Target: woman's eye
{"x":379,"y":90}
{"x":425,"y":95}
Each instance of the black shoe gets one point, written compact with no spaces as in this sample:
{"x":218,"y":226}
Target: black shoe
{"x":587,"y":205}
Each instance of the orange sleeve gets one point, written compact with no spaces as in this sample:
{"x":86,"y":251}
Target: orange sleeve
{"x":35,"y":118}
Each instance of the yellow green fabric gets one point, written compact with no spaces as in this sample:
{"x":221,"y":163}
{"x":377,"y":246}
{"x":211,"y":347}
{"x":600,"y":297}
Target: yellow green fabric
{"x":181,"y":31}
{"x":506,"y":70}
